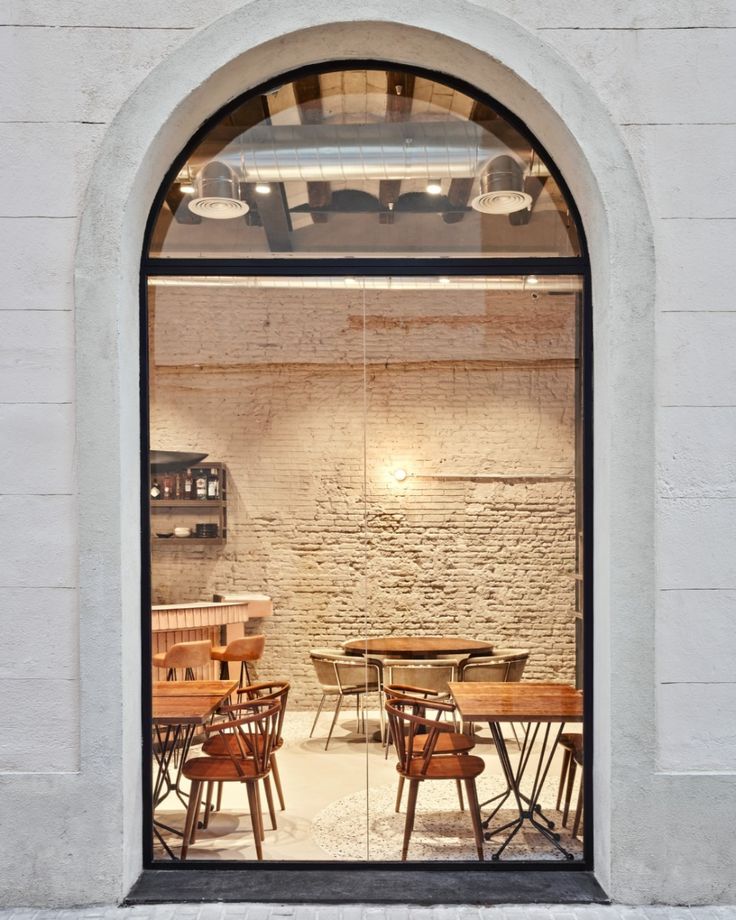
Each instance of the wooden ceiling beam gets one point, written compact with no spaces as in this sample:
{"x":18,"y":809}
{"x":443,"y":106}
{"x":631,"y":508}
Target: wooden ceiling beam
{"x":308,"y":95}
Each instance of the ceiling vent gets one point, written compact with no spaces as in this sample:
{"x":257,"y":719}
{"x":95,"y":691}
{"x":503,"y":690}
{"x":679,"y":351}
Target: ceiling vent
{"x":502,"y":188}
{"x":217,"y":193}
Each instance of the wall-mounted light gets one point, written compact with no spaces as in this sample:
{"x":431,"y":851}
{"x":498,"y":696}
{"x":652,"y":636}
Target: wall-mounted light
{"x":400,"y":474}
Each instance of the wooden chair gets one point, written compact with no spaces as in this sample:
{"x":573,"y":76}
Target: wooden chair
{"x":425,"y":703}
{"x":245,"y":649}
{"x":341,"y":676}
{"x":248,"y":761}
{"x":418,"y":763}
{"x":186,"y":655}
{"x":572,"y":758}
{"x":217,"y":745}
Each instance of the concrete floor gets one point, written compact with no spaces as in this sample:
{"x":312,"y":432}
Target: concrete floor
{"x":340,"y":805}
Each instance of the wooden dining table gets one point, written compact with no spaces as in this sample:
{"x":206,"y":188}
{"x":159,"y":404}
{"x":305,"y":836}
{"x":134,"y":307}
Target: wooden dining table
{"x":417,"y":646}
{"x":179,"y":707}
{"x":540,"y":706}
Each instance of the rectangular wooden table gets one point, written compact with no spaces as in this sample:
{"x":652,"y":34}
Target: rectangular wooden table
{"x":179,"y":707}
{"x":536,"y":704}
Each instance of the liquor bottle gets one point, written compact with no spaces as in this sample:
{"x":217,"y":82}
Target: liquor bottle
{"x":188,"y":485}
{"x":200,"y":484}
{"x":167,"y":488}
{"x":213,"y":484}
{"x":178,"y":486}
{"x":155,"y":489}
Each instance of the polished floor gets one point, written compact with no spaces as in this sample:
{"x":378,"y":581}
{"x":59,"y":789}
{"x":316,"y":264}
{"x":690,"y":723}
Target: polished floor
{"x":340,"y":805}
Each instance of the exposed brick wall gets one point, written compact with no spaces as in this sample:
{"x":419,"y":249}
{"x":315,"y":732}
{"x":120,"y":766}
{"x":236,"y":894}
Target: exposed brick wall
{"x":316,"y":518}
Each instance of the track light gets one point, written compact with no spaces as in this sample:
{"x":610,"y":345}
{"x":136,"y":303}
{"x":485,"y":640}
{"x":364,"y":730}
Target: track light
{"x":217,"y":193}
{"x":502,"y":188}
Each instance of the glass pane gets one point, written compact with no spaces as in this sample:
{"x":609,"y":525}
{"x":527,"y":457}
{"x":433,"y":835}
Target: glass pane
{"x":364,"y":162}
{"x":266,"y":379}
{"x":472,"y":493}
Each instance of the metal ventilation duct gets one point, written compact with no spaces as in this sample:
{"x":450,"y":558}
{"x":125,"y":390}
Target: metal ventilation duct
{"x":334,"y":153}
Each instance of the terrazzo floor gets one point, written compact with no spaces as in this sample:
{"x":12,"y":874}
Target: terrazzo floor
{"x":340,"y":805}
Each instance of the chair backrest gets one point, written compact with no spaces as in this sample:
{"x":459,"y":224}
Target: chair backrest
{"x":490,"y":669}
{"x":424,"y":702}
{"x":516,"y":658}
{"x":188,"y":654}
{"x":337,"y":671}
{"x":265,"y":690}
{"x":247,"y":648}
{"x":256,"y":735}
{"x":405,"y":723}
{"x":422,"y":673}
{"x":323,"y":662}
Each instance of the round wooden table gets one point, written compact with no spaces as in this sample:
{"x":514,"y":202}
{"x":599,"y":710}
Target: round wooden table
{"x":417,"y":646}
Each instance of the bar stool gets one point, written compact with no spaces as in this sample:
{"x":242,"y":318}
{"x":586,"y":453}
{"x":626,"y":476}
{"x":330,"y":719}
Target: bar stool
{"x":249,"y":648}
{"x":187,"y":655}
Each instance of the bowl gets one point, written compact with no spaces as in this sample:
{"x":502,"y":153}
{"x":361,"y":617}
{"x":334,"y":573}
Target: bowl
{"x":164,"y":536}
{"x":182,"y":532}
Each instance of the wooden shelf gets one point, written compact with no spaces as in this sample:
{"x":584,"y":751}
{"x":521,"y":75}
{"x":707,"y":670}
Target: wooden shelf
{"x":181,"y":510}
{"x":190,"y":541}
{"x":195,"y":504}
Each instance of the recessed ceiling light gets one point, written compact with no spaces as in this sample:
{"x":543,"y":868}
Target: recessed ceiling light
{"x":263,"y":189}
{"x":434,"y":188}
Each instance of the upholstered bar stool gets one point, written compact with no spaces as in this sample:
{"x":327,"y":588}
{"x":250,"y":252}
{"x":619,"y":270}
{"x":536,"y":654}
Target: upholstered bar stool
{"x":186,"y":655}
{"x":248,"y":648}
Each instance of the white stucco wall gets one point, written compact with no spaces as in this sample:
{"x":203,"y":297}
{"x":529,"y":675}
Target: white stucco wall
{"x":633,"y":103}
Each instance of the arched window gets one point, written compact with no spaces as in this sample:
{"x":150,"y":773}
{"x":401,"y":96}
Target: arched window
{"x":368,"y":411}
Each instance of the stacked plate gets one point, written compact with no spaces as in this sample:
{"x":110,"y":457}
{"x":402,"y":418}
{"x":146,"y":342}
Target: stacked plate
{"x":207,"y":530}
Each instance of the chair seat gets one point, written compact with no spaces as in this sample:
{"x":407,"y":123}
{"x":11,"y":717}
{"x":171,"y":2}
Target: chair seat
{"x":449,"y":766}
{"x":447,"y":743}
{"x":220,"y":653}
{"x":218,"y":769}
{"x":159,"y":660}
{"x":217,"y":745}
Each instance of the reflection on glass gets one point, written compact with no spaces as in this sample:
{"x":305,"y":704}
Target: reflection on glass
{"x":400,"y":458}
{"x":364,"y":162}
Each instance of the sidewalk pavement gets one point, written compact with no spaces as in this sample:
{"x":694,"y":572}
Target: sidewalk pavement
{"x":220,"y":911}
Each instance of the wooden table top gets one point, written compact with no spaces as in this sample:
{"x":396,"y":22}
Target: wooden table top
{"x":526,"y":701}
{"x":189,"y":702}
{"x":417,"y":646}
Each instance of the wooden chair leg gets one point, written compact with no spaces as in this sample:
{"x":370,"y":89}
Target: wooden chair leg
{"x":568,"y":792}
{"x":411,"y":807}
{"x":563,"y":775}
{"x":474,"y":807}
{"x":269,"y":799}
{"x":219,"y":795}
{"x":208,"y":805}
{"x":460,"y":794}
{"x":254,"y":823}
{"x":259,"y":807}
{"x":277,"y":782}
{"x":399,"y":793}
{"x":578,"y":811}
{"x":191,"y":818}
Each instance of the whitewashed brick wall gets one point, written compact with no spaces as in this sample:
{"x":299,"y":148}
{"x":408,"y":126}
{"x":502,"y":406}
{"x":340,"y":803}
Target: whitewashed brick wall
{"x":342,"y":558}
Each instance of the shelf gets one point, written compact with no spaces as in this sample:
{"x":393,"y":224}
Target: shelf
{"x":190,"y":541}
{"x":194,"y":504}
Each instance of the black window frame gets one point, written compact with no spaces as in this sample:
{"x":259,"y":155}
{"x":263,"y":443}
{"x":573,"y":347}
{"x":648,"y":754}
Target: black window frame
{"x":430,"y":874}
